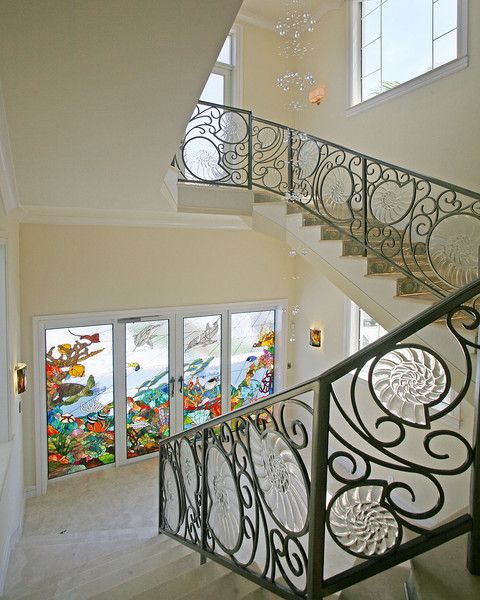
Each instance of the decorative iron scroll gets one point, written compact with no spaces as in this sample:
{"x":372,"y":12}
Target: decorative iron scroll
{"x":245,"y":485}
{"x":389,"y":459}
{"x":215,"y":149}
{"x":427,"y":229}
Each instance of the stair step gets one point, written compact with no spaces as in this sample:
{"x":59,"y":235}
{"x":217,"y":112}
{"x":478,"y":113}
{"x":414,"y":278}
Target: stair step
{"x":117,"y":561}
{"x":388,"y":585}
{"x":294,"y":209}
{"x":145,"y":583}
{"x":441,"y":574}
{"x":407,"y":287}
{"x":378,"y":267}
{"x":121,"y":571}
{"x":260,"y":594}
{"x":352,"y":248}
{"x":179,"y":586}
{"x":310,"y":220}
{"x":329,"y":233}
{"x":265,"y":197}
{"x":228,"y":587}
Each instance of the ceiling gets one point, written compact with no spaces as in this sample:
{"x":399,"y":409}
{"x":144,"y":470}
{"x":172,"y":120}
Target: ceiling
{"x":268,"y":12}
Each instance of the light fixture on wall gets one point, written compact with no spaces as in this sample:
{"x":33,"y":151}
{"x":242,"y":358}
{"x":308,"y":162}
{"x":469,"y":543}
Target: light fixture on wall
{"x":20,"y":378}
{"x":315,"y":338}
{"x":317,"y":95}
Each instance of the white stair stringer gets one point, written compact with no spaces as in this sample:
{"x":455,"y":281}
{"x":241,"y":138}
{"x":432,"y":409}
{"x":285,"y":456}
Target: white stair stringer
{"x":375,"y":295}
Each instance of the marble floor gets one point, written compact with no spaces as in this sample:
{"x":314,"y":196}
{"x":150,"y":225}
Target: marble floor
{"x":80,"y":519}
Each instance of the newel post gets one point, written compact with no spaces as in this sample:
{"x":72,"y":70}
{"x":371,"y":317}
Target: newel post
{"x":318,"y":491}
{"x":473,"y":553}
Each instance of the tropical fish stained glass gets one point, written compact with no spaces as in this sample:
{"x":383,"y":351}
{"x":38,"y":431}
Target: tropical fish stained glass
{"x":202,"y":388}
{"x":252,"y":356}
{"x":80,"y":416}
{"x":147,"y":375}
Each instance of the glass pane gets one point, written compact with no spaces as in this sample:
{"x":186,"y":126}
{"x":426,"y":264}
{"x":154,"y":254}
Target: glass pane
{"x":371,"y":85}
{"x":444,"y":16}
{"x":406,"y":39}
{"x":370,"y":330}
{"x":445,"y":48}
{"x":252,"y":356}
{"x":147,"y":379}
{"x":80,"y":419}
{"x":202,"y":377}
{"x":371,"y":27}
{"x":369,"y":5}
{"x":214,"y":89}
{"x":225,"y":55}
{"x":371,"y":58}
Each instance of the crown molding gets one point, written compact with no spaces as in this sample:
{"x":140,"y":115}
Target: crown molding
{"x":8,"y":186}
{"x":252,"y":19}
{"x":53,"y":215}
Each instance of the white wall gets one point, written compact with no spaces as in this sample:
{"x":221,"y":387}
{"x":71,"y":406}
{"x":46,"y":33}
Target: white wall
{"x":433,"y":130}
{"x":69,"y":269}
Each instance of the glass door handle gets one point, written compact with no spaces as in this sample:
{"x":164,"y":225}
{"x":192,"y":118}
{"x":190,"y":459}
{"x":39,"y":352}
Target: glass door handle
{"x":180,"y":384}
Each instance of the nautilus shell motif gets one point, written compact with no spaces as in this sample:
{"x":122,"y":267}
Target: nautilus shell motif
{"x":171,"y":495}
{"x":189,"y":471}
{"x":308,"y":156}
{"x":280,"y":478}
{"x":391,"y":201}
{"x":232,"y":127}
{"x":360,"y":524}
{"x":224,"y":515}
{"x":202,"y":159}
{"x":454,"y":249}
{"x":406,"y":381}
{"x":336,"y":190}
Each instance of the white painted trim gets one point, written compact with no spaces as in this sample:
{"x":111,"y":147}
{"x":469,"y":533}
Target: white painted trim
{"x":6,"y":395}
{"x":8,"y":186}
{"x":354,"y":102}
{"x":56,"y":215}
{"x":404,"y":88}
{"x":237,"y":53}
{"x":12,"y":540}
{"x":30,"y":491}
{"x":41,"y":323}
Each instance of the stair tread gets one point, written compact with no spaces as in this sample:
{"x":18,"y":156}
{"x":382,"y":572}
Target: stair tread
{"x":388,"y":585}
{"x":442,"y":574}
{"x":228,"y":587}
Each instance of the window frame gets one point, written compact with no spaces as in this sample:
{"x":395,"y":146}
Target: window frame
{"x":355,"y":104}
{"x":119,"y":319}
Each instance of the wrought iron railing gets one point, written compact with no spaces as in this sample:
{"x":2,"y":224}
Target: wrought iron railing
{"x":337,"y":479}
{"x":426,"y":228}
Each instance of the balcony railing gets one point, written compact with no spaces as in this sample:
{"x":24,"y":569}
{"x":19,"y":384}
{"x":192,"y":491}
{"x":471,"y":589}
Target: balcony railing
{"x":425,"y":228}
{"x":335,"y":480}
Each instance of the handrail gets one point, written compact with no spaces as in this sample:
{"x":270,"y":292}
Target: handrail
{"x":289,"y":481}
{"x":411,"y":221}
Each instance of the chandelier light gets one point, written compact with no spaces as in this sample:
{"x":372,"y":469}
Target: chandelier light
{"x":296,"y":85}
{"x":296,"y":22}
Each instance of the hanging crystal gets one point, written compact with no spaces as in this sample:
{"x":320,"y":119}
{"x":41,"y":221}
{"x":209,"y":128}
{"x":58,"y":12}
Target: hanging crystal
{"x":295,"y":84}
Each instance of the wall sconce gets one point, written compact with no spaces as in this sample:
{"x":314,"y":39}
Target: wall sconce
{"x":317,"y":95}
{"x":315,"y":338}
{"x":20,"y":378}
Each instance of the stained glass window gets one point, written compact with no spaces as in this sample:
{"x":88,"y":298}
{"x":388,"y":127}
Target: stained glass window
{"x":147,"y":377}
{"x":202,"y":387}
{"x":80,"y":415}
{"x":252,"y":356}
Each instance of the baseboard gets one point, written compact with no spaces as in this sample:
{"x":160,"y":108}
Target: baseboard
{"x":5,"y":560}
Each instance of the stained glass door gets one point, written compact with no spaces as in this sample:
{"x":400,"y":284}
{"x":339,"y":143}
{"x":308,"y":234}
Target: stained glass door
{"x":201,"y":378}
{"x":79,"y":398}
{"x":147,"y":365}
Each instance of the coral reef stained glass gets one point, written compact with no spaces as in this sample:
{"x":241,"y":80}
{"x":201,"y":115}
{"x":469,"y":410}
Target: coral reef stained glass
{"x":252,"y":356}
{"x":202,"y":385}
{"x":147,"y":376}
{"x":79,"y":380}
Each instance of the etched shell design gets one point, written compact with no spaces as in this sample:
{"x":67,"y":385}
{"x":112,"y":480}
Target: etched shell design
{"x":390,"y":201}
{"x":202,"y":160}
{"x":266,"y":137}
{"x":224,"y":514}
{"x":336,"y":190}
{"x":232,"y":127}
{"x":406,"y":381}
{"x":171,"y":493}
{"x":308,"y":156}
{"x":454,"y":249}
{"x":189,"y":471}
{"x":280,"y":478}
{"x":360,"y":524}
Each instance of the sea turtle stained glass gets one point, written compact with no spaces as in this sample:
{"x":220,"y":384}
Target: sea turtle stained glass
{"x":79,"y":382}
{"x":202,"y":387}
{"x":147,"y":377}
{"x":252,"y":356}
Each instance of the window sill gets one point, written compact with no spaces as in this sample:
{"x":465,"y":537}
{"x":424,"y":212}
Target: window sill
{"x":404,"y":88}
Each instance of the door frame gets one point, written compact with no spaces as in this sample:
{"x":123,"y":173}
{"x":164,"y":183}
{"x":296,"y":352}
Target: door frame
{"x":117,"y":319}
